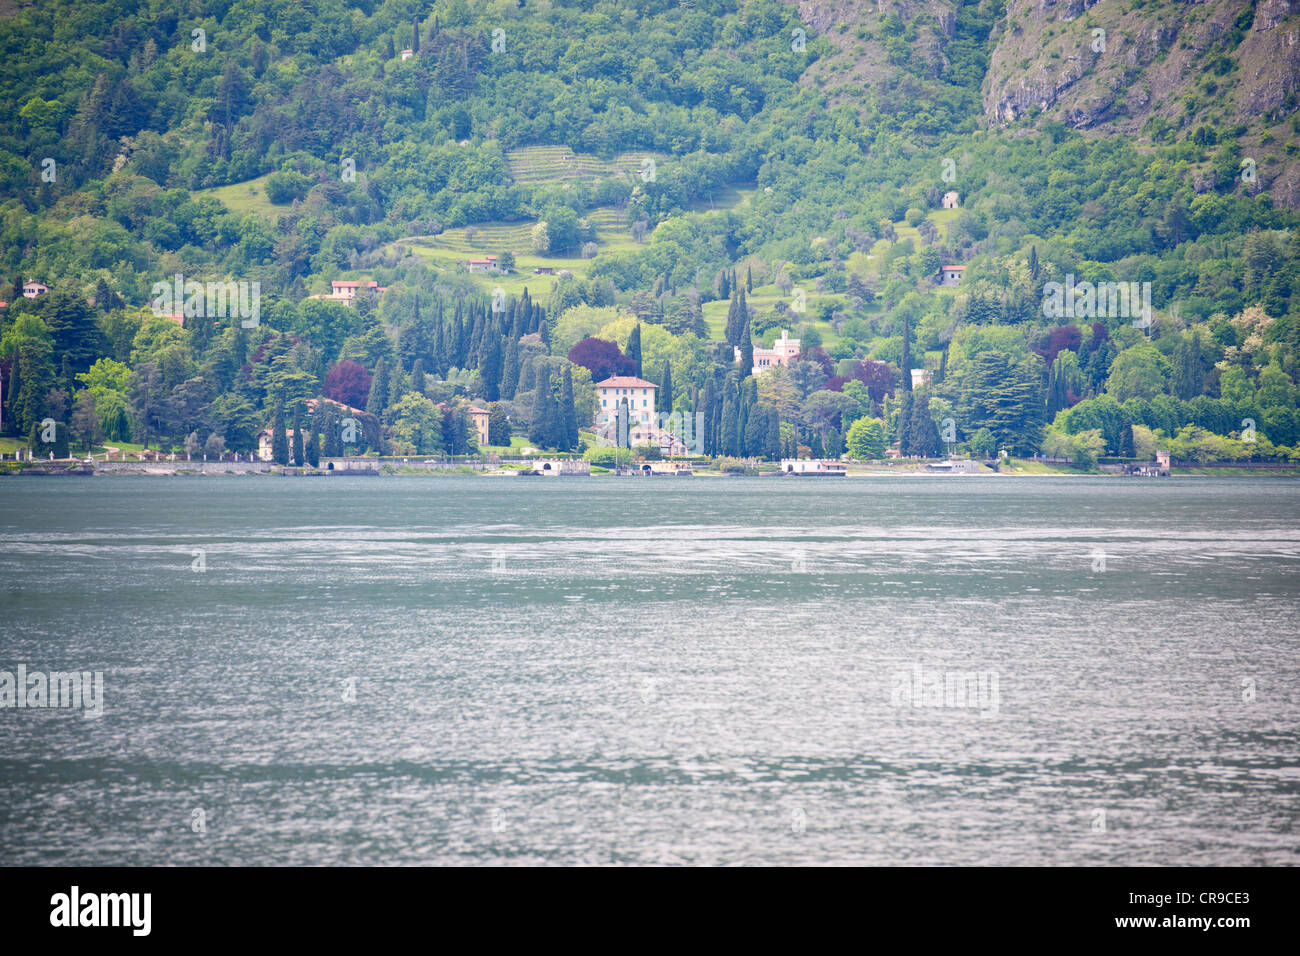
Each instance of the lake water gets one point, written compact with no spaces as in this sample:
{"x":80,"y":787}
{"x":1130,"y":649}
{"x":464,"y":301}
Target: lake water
{"x":603,"y":671}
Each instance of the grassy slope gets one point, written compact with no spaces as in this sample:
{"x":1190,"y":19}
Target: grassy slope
{"x":245,"y":197}
{"x":558,"y":164}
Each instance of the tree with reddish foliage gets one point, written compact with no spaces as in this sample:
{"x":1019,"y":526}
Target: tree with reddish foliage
{"x":348,"y":383}
{"x":878,"y":377}
{"x":818,"y":354}
{"x":1099,"y":335}
{"x":603,"y":359}
{"x":1051,"y":342}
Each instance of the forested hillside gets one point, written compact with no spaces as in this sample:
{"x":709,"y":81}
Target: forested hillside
{"x":676,"y":180}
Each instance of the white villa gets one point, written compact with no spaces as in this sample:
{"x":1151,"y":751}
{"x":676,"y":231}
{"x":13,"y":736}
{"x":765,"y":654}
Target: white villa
{"x":640,"y":396}
{"x":266,"y":443}
{"x":643,"y":422}
{"x":812,"y":467}
{"x":951,"y":200}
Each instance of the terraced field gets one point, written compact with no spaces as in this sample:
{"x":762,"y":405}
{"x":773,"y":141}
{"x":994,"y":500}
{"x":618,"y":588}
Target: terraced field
{"x":494,"y":238}
{"x":543,"y":164}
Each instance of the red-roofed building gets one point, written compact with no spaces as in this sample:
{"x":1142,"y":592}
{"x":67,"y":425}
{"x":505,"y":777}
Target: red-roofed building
{"x":486,"y":264}
{"x":346,"y":290}
{"x":479,"y":416}
{"x":640,"y":397}
{"x":950,"y":275}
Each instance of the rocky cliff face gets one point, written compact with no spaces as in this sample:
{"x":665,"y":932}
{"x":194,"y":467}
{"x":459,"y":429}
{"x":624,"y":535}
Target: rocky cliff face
{"x":1118,"y":63}
{"x":860,"y":58}
{"x":1156,"y":70}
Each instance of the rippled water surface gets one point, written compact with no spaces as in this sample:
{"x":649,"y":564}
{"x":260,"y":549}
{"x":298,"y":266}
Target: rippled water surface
{"x":503,"y":671}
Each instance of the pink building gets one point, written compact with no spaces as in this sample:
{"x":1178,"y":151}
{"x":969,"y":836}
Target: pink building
{"x":783,"y":351}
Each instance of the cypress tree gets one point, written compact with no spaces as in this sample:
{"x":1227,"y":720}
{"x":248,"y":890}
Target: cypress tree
{"x":510,"y":369}
{"x":333,"y":433}
{"x":490,"y":368}
{"x":298,"y":456}
{"x":732,"y":331}
{"x":749,"y":279}
{"x":906,"y":360}
{"x":730,"y":421}
{"x":417,"y":376}
{"x":279,"y":441}
{"x":378,"y":400}
{"x":439,"y":349}
{"x":903,"y":428}
{"x":568,"y":412}
{"x":623,"y":432}
{"x":634,"y":347}
{"x":313,"y":439}
{"x":459,"y":340}
{"x":1057,"y":397}
{"x":756,"y":432}
{"x":924,"y":433}
{"x":460,"y":430}
{"x":666,"y":388}
{"x":707,"y":408}
{"x":772,"y":440}
{"x":543,"y":427}
{"x":724,"y":287}
{"x":1127,"y":449}
{"x":11,"y":398}
{"x":746,"y":349}
{"x":415,"y":35}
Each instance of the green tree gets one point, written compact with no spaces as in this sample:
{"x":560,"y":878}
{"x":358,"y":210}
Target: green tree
{"x":1188,"y":368}
{"x":867,"y":439}
{"x":665,"y":400}
{"x":1004,"y":397}
{"x":1138,"y":372}
{"x":298,"y":453}
{"x":417,"y":424}
{"x":313,"y":438}
{"x":498,"y":425}
{"x":633,"y":350}
{"x":377,"y":402}
{"x":279,"y":441}
{"x":568,"y":413}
